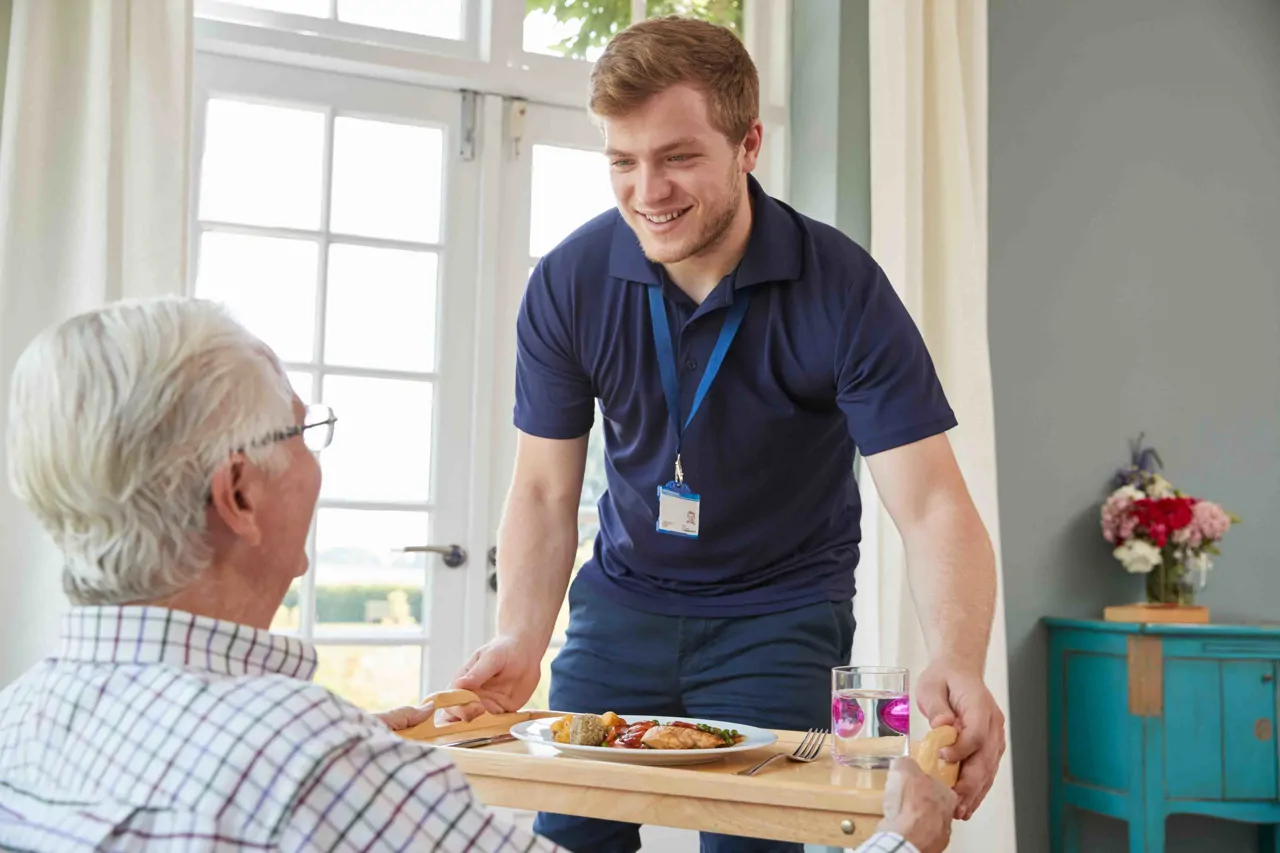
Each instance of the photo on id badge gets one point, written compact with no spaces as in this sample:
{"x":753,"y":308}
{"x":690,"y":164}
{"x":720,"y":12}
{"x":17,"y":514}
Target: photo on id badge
{"x":678,"y":512}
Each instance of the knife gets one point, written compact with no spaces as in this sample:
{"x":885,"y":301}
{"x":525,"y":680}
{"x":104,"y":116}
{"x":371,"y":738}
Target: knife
{"x":474,"y":742}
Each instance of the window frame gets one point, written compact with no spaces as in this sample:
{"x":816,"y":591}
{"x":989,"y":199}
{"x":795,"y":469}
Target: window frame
{"x":490,"y":58}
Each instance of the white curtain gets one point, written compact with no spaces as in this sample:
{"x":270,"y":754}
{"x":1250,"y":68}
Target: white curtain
{"x":928,"y":67}
{"x":94,"y":151}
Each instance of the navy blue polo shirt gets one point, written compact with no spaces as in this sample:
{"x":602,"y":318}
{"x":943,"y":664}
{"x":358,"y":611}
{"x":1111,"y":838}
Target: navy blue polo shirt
{"x":827,"y":358}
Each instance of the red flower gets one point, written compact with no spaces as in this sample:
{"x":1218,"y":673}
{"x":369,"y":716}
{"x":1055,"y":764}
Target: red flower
{"x":1177,"y":511}
{"x":1159,"y":518}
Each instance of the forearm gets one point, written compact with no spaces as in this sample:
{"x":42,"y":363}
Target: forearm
{"x":951,"y":567}
{"x":536,"y":546}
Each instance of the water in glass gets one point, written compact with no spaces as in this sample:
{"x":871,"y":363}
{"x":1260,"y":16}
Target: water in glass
{"x":870,"y":716}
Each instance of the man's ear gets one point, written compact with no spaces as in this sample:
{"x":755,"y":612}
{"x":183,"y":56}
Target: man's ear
{"x":751,"y":145}
{"x":234,"y":497}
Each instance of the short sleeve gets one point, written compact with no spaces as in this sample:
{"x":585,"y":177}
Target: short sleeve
{"x":554,"y":395}
{"x":886,"y":384}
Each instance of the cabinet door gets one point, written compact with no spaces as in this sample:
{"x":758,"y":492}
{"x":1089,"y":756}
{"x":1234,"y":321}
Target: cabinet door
{"x":1193,"y":729}
{"x":1098,"y":742}
{"x":1248,"y":729}
{"x":1219,"y":729}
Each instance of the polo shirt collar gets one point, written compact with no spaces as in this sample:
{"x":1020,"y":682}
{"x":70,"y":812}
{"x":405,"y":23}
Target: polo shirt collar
{"x":773,"y":250}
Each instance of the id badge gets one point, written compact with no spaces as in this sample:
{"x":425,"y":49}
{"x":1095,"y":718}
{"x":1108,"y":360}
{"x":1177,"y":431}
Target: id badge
{"x":678,"y":511}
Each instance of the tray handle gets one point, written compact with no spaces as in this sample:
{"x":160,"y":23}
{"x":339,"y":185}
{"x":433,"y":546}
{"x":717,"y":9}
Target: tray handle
{"x":926,"y":754}
{"x":438,"y":701}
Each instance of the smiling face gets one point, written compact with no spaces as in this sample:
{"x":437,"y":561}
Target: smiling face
{"x":679,"y":182}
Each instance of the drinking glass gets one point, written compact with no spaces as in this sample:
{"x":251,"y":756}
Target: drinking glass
{"x":870,"y":715}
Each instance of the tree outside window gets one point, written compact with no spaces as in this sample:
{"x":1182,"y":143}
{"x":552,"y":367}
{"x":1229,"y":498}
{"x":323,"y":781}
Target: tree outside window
{"x":597,"y":21}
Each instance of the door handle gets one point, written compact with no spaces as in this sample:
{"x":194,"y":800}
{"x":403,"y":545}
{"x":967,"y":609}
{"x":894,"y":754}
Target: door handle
{"x":453,"y":556}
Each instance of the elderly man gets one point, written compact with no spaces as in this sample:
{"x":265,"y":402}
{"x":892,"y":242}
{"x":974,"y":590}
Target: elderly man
{"x":160,"y":445}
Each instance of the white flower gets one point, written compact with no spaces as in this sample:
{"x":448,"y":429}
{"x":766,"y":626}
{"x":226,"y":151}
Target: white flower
{"x":1138,"y":556}
{"x":1129,"y":493}
{"x":1159,"y":488}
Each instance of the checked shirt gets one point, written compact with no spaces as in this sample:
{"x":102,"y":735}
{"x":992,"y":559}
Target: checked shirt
{"x":159,"y":729}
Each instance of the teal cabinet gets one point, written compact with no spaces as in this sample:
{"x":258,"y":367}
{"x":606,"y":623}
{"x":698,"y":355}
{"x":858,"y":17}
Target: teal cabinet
{"x":1146,"y":721}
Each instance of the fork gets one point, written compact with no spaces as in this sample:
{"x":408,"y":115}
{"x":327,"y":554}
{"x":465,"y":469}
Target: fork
{"x":806,"y":751}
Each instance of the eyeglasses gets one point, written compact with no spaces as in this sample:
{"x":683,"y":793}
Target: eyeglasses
{"x":316,"y":429}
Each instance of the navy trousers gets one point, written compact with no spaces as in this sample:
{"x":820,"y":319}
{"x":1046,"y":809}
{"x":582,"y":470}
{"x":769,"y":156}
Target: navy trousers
{"x":772,"y":671}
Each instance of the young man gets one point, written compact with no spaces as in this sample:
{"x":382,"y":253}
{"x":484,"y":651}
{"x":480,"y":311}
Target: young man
{"x":739,"y":352}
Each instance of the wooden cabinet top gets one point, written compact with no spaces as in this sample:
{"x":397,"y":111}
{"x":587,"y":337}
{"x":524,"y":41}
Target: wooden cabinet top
{"x":1260,"y":629}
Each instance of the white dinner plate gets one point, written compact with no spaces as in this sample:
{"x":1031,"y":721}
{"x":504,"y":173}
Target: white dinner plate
{"x":539,"y":732}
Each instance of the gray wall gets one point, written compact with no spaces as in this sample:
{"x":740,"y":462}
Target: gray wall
{"x":1134,"y":285}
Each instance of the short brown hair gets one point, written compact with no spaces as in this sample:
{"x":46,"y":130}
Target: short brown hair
{"x":651,"y":56}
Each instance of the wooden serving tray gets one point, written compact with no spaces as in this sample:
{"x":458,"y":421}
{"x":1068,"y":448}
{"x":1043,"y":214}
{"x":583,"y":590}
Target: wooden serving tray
{"x":821,"y":802}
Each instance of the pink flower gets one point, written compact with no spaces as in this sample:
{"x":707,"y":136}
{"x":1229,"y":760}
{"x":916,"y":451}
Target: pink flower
{"x":1189,"y":536}
{"x":1117,"y":523}
{"x":1210,"y":520}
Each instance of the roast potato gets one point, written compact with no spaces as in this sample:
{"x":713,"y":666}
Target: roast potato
{"x":560,"y":728}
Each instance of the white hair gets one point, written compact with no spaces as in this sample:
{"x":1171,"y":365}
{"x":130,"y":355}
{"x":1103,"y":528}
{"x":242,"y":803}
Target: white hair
{"x":118,"y":419}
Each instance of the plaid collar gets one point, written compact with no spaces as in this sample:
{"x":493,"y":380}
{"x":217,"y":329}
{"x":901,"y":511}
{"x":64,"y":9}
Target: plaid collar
{"x":156,"y":635}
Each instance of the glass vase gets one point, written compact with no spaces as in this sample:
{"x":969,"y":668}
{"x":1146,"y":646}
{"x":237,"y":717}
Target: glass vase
{"x":1172,"y":583}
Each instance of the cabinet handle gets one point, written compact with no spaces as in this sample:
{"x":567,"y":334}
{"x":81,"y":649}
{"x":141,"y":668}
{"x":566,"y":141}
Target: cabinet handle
{"x":1267,"y":678}
{"x":1262,"y":730}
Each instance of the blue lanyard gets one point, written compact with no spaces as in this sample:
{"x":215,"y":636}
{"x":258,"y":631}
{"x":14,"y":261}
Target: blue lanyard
{"x":667,"y":361}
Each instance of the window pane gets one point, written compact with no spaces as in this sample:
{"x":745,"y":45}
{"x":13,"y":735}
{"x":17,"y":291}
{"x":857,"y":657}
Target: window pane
{"x":288,"y":618}
{"x":594,"y":482}
{"x":440,"y":18}
{"x":570,"y":186}
{"x":361,"y":582}
{"x":314,"y":8}
{"x":381,"y":449}
{"x":386,"y":180}
{"x":578,"y":31}
{"x":376,"y":678}
{"x":303,"y":385}
{"x":268,"y":283}
{"x":727,"y":13}
{"x":381,"y":308}
{"x":262,"y":165}
{"x":588,"y":527}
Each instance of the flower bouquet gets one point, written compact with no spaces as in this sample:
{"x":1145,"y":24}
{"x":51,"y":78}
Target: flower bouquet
{"x":1160,"y":532}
